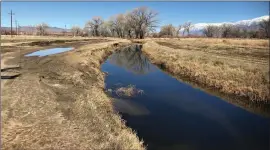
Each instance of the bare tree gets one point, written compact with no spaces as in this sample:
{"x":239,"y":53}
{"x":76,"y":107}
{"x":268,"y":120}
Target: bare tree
{"x":167,"y":30}
{"x":118,"y":24}
{"x":32,"y":30}
{"x":141,"y":20}
{"x":94,"y":25}
{"x":226,"y":30}
{"x":76,"y":30}
{"x":178,"y":29}
{"x":235,"y":32}
{"x":86,"y":31}
{"x":105,"y":29}
{"x":264,"y":27}
{"x":209,"y":30}
{"x":41,"y":28}
{"x":187,"y":26}
{"x":244,"y":33}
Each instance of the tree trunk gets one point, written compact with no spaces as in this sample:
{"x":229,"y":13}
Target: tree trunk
{"x":129,"y":33}
{"x":137,"y":34}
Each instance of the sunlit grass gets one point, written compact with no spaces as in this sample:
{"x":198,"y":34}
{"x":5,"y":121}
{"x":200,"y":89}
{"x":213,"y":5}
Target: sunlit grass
{"x":128,"y":91}
{"x":231,"y":66}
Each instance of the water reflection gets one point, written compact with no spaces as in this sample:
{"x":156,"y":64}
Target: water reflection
{"x":174,"y":115}
{"x":129,"y":107}
{"x":131,"y":59}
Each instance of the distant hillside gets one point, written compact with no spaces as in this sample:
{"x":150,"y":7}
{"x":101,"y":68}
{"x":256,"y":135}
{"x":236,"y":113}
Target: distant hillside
{"x":33,"y":29}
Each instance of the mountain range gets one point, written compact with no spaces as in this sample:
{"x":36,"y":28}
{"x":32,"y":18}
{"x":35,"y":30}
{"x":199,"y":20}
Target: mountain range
{"x":33,"y":28}
{"x":250,"y":24}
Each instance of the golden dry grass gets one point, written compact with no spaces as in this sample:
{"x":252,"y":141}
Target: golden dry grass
{"x":231,"y":66}
{"x":128,"y":91}
{"x":59,"y":103}
{"x":34,"y":37}
{"x":7,"y":40}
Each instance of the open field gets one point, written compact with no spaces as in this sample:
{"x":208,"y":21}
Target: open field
{"x":58,"y":101}
{"x":235,"y":67}
{"x":6,"y":40}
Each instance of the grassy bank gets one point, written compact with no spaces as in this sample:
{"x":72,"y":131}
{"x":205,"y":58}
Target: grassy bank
{"x":234,"y":67}
{"x":58,"y":102}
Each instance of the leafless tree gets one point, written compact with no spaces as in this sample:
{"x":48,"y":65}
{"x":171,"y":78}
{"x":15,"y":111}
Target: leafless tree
{"x":118,"y":24}
{"x":76,"y":30}
{"x":94,"y":25}
{"x":105,"y":29}
{"x":128,"y":26}
{"x":210,"y":30}
{"x":187,"y":26}
{"x":235,"y":32}
{"x":86,"y":31}
{"x":41,"y":28}
{"x":226,"y":30}
{"x":32,"y":30}
{"x":141,"y":20}
{"x":167,"y":30}
{"x":149,"y":31}
{"x":264,"y":27}
{"x":244,"y":33}
{"x":178,"y":29}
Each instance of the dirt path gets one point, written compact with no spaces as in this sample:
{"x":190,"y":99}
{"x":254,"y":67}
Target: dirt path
{"x":58,"y":102}
{"x":7,"y":70}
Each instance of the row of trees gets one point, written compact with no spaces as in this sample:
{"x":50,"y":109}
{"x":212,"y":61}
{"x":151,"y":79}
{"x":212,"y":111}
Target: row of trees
{"x":142,"y":21}
{"x":230,"y":31}
{"x":137,"y":23}
{"x":171,"y":31}
{"x":224,"y":31}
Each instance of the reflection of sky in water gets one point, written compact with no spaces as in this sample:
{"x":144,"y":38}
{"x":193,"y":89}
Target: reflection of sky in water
{"x":130,"y":107}
{"x":180,"y":115}
{"x":49,"y":51}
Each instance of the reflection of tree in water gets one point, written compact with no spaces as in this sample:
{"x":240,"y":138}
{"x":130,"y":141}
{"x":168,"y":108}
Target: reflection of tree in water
{"x":132,"y":59}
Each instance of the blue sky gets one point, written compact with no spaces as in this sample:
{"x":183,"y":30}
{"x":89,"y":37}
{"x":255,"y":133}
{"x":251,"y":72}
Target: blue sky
{"x":59,"y":14}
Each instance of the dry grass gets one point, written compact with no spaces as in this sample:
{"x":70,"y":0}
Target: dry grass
{"x":34,"y":37}
{"x":7,"y":40}
{"x":234,"y":67}
{"x":59,"y":103}
{"x":128,"y":91}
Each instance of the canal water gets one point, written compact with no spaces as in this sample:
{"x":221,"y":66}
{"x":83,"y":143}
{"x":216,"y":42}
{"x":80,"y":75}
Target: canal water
{"x":170,"y":114}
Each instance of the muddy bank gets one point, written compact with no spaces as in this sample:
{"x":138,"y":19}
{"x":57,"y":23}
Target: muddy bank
{"x":188,"y":66}
{"x":46,"y":43}
{"x":58,"y":102}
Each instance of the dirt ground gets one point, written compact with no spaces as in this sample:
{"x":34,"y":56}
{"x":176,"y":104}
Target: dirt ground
{"x":58,"y":101}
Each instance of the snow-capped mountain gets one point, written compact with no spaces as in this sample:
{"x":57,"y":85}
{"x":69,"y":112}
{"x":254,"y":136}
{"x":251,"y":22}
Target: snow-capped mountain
{"x":248,"y":24}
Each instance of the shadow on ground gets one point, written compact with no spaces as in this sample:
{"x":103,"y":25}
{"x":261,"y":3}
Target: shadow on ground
{"x":10,"y":77}
{"x":10,"y":68}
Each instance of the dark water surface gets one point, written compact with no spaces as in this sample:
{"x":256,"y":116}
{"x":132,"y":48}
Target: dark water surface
{"x":174,"y":115}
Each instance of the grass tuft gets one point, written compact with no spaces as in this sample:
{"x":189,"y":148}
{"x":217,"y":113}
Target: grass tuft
{"x":129,"y":91}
